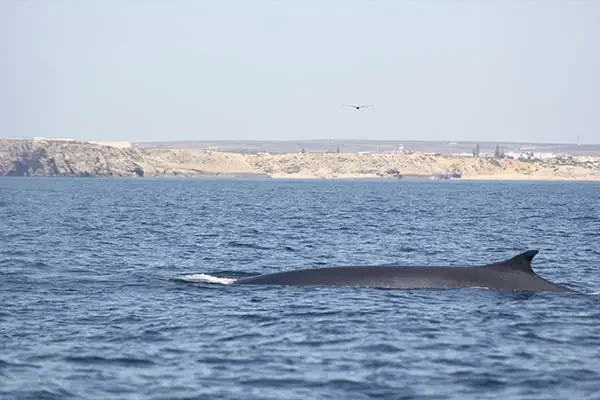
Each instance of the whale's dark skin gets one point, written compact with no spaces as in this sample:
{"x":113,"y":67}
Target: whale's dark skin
{"x":514,"y":274}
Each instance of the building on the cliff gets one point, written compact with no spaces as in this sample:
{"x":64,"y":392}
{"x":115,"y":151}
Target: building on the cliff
{"x":530,"y":155}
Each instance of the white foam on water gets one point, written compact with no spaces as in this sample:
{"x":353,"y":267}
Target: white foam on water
{"x":204,"y":278}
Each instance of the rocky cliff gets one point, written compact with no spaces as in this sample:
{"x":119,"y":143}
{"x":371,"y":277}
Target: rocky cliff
{"x":65,"y":158}
{"x":61,"y":158}
{"x":40,"y":158}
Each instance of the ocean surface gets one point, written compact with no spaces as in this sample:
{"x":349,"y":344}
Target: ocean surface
{"x":120,"y":289}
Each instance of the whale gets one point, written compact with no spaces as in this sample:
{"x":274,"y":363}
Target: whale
{"x":514,"y":274}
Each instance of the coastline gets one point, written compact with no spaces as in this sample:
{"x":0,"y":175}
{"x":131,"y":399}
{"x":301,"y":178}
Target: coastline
{"x":86,"y":159}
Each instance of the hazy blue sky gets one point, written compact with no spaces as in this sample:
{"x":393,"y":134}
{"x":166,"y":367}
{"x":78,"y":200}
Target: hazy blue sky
{"x":194,"y":69}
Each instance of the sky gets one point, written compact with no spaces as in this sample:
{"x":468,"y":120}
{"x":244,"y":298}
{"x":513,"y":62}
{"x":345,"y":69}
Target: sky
{"x":166,"y":70}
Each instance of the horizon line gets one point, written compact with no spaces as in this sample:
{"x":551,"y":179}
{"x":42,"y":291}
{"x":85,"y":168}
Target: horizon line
{"x":305,"y":140}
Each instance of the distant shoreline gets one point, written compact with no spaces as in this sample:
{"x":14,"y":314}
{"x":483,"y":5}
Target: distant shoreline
{"x":103,"y":159}
{"x":295,"y":178}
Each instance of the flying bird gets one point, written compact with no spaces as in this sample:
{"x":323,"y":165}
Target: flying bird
{"x":357,"y":107}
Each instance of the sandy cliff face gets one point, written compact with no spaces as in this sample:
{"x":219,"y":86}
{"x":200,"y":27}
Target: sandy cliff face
{"x":331,"y":166}
{"x":187,"y":162}
{"x":55,"y":158}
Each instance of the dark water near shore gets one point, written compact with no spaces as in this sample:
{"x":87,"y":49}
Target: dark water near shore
{"x":89,"y":307}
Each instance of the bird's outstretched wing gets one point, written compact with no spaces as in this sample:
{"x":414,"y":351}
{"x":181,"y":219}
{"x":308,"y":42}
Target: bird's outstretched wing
{"x":357,"y":106}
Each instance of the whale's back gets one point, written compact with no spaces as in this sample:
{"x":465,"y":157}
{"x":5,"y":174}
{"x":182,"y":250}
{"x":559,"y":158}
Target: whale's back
{"x":512,"y":274}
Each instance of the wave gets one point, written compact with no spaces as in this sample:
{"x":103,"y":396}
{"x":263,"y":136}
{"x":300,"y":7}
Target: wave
{"x":204,"y":278}
{"x":238,"y":244}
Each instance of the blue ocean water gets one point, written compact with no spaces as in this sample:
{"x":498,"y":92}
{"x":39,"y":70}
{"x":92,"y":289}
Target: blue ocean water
{"x":101,"y":293}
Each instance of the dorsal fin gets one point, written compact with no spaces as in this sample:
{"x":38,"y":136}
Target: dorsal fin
{"x":520,"y":262}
